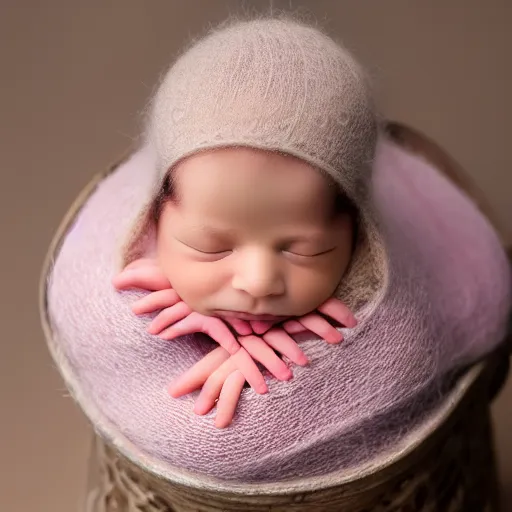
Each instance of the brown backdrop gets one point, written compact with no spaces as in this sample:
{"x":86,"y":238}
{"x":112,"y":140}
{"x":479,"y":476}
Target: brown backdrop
{"x":74,"y":76}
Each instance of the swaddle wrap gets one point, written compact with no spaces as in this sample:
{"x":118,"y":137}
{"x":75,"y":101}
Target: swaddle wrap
{"x":446,"y":306}
{"x":438,"y":299}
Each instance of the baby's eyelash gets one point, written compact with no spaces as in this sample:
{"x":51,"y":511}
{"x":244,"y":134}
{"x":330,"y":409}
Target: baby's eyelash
{"x":311,"y":255}
{"x":282,"y":250}
{"x":212,"y":253}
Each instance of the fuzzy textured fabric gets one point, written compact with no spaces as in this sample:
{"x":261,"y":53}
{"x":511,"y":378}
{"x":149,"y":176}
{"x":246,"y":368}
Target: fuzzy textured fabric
{"x":445,"y":306}
{"x":283,"y":86}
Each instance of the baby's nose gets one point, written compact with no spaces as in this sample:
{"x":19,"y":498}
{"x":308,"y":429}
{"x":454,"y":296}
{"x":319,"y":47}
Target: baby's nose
{"x":259,"y":274}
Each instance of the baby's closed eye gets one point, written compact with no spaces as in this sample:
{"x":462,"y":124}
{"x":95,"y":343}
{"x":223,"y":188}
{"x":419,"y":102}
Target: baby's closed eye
{"x":307,"y":249}
{"x":301,"y":250}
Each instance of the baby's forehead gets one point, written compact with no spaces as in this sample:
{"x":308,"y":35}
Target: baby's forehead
{"x":252,"y":185}
{"x":223,"y":167}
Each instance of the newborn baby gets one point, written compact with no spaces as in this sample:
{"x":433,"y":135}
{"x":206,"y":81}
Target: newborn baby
{"x":267,"y":208}
{"x":250,"y":218}
{"x":252,"y":237}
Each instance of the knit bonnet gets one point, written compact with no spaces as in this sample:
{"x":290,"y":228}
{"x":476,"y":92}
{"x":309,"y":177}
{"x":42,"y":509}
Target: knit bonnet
{"x":276,"y":85}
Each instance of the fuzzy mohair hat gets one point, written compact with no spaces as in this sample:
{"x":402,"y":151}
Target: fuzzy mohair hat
{"x":276,"y":85}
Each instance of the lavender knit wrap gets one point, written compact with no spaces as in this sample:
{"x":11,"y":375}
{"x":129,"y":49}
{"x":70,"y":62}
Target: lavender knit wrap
{"x":446,"y":306}
{"x":430,"y":282}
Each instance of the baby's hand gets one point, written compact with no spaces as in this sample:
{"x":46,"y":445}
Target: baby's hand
{"x":332,"y":311}
{"x":220,"y":382}
{"x":146,"y":274}
{"x":177,"y":319}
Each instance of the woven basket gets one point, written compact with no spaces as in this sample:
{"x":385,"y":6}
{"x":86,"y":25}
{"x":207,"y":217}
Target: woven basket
{"x":445,"y":465}
{"x":451,"y":470}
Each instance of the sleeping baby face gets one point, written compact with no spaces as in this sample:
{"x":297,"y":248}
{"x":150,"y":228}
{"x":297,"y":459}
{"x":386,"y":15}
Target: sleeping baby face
{"x":252,"y":234}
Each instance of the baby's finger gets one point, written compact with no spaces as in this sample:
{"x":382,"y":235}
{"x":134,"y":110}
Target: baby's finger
{"x":261,"y":352}
{"x":164,"y":322}
{"x":240,"y":326}
{"x":260,"y":327}
{"x":219,"y":332}
{"x":145,"y":278}
{"x":141,"y":262}
{"x":155,"y":301}
{"x":244,"y":362}
{"x":196,"y":376}
{"x":320,"y":326}
{"x":213,"y":327}
{"x":212,"y":387}
{"x":279,"y":340}
{"x":336,"y":310}
{"x":293,"y":327}
{"x":228,"y":399}
{"x":216,"y":329}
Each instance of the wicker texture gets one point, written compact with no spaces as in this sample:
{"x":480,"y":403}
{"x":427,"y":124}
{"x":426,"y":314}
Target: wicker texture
{"x":450,"y":471}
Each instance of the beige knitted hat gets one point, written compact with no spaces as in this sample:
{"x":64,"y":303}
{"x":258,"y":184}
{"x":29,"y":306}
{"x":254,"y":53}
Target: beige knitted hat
{"x":277,"y":85}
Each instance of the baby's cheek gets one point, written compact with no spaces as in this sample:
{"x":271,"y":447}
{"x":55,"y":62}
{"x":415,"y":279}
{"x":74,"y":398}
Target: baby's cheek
{"x":309,"y":288}
{"x":195,"y":282}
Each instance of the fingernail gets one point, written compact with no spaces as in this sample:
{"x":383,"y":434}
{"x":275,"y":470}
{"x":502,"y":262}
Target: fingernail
{"x":199,"y":407}
{"x":335,"y":338}
{"x":286,"y":375}
{"x":303,"y":361}
{"x":166,"y":335}
{"x":262,"y":389}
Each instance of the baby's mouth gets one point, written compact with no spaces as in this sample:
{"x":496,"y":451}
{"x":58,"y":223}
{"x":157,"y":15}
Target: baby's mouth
{"x":249,"y":317}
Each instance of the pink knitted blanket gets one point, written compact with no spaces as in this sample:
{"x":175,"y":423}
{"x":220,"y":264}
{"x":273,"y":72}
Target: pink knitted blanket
{"x":446,"y":306}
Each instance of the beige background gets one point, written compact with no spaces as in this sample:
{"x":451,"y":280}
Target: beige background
{"x":74,"y":76}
